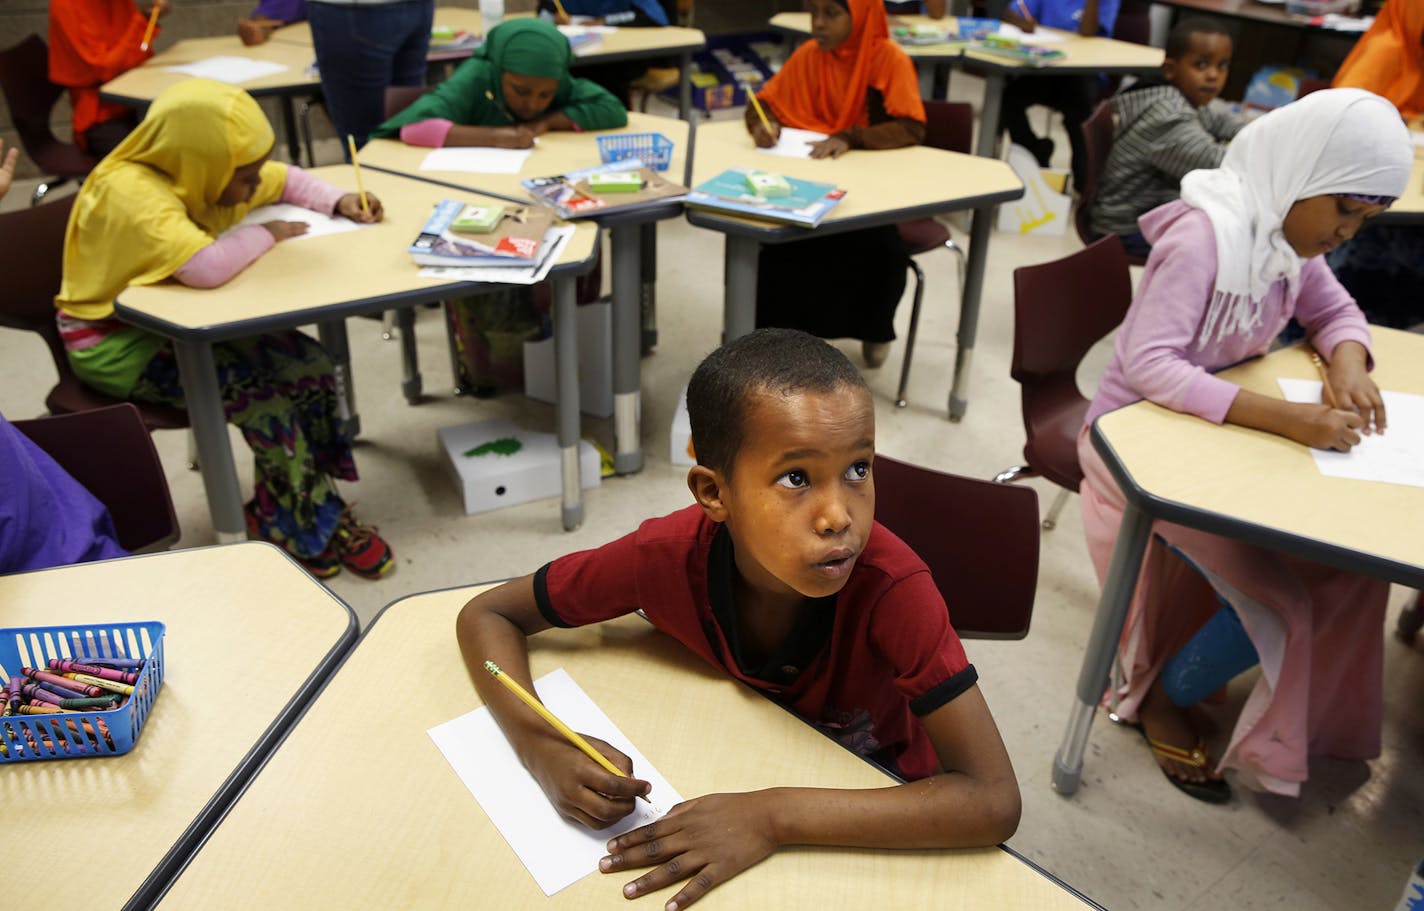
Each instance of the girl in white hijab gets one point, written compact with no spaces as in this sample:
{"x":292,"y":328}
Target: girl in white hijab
{"x":1231,"y":263}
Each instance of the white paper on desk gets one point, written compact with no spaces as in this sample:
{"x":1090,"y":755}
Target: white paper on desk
{"x":556,"y":852}
{"x":794,"y":143}
{"x":317,"y":223}
{"x":232,"y":70}
{"x":585,"y":25}
{"x":554,"y":240}
{"x":476,"y":159}
{"x":1394,"y":457}
{"x":1037,"y":36}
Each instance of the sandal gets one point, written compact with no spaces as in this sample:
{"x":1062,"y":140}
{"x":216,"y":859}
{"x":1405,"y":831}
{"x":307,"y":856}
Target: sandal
{"x":1213,"y":790}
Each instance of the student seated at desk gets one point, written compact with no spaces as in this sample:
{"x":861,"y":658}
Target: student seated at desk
{"x":852,"y":82}
{"x":515,"y":87}
{"x":1235,"y":258}
{"x":1166,"y":128}
{"x":152,"y":210}
{"x":1071,"y":96}
{"x":780,"y":577}
{"x":269,"y":16}
{"x":618,"y":78}
{"x":91,"y":42}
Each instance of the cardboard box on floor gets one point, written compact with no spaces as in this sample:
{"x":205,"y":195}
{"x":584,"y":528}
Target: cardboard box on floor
{"x":495,"y":463}
{"x":595,"y":354}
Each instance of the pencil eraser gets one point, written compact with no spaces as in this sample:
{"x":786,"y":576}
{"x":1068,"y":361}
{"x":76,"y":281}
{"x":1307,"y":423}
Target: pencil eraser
{"x":768,"y":185}
{"x":616,"y":182}
{"x":478,"y":219}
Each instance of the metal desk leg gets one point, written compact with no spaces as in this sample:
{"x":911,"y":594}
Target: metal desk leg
{"x":209,"y":423}
{"x":988,"y":144}
{"x":684,"y":86}
{"x":979,"y":229}
{"x":333,"y":338}
{"x":289,"y":125}
{"x":1132,"y":539}
{"x":648,"y":235}
{"x":566,"y":399}
{"x":739,"y":305}
{"x":627,"y":301}
{"x":411,"y":384}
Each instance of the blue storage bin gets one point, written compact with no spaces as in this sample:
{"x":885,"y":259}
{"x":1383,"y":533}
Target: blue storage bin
{"x":653,"y":149}
{"x":74,"y":735}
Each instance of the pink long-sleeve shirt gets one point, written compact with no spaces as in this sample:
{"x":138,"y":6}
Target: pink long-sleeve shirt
{"x":1156,"y":357}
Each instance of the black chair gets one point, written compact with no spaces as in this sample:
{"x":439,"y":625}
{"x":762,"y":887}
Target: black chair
{"x":985,"y":563}
{"x":24,"y":78}
{"x":1061,"y":310}
{"x":109,"y":451}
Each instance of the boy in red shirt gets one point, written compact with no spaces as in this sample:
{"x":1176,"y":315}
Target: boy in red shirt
{"x":780,"y":577}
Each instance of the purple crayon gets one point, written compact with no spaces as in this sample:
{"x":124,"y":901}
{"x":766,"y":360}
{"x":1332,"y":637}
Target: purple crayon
{"x":59,"y":690}
{"x":111,"y":662}
{"x":82,"y":689}
{"x":38,"y":695}
{"x":74,"y":667}
{"x":16,"y":697}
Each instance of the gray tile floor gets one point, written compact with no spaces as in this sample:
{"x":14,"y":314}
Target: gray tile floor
{"x":1127,"y":839}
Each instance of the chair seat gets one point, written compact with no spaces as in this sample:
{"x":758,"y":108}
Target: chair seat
{"x":922,"y":235}
{"x":70,"y":396}
{"x":1052,"y":447}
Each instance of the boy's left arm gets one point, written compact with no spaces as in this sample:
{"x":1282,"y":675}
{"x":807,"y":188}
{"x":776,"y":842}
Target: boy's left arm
{"x":974,"y":802}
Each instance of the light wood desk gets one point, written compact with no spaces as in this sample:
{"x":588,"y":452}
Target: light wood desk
{"x":633,"y":237}
{"x":1245,"y":484}
{"x":140,"y":85}
{"x":250,"y":638}
{"x":882,"y":188}
{"x":624,"y":44}
{"x":1409,"y":208}
{"x":323,"y":280}
{"x":358,"y":809}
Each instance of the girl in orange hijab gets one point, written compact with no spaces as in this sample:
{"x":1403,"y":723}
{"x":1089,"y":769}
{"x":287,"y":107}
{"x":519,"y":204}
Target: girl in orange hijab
{"x":851,"y":82}
{"x":1389,"y":58}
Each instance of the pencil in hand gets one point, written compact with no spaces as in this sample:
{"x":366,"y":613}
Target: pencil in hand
{"x":569,"y":733}
{"x":1327,"y":393}
{"x":152,"y":24}
{"x":356,"y":165}
{"x":761,"y":114}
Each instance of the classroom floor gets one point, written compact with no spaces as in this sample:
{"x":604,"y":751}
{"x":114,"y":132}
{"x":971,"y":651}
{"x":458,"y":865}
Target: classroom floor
{"x":1126,"y":839}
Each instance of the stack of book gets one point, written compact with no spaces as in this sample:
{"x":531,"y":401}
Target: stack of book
{"x":488,"y":236}
{"x":618,"y":186}
{"x":1027,"y":54}
{"x":773,"y":197}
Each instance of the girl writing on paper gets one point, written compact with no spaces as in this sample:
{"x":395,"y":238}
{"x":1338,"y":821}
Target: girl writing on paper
{"x":153,"y":210}
{"x":1237,"y":256}
{"x":851,"y":82}
{"x":515,"y":87}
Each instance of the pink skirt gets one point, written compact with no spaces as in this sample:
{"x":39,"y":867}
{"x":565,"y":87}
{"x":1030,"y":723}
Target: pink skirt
{"x":1318,"y":632}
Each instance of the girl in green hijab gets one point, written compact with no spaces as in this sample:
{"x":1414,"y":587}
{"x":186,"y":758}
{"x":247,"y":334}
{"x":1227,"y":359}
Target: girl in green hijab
{"x":516,"y":86}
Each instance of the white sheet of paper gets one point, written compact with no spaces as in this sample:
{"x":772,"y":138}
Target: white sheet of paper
{"x":794,"y":143}
{"x":476,"y":159}
{"x":1394,"y":457}
{"x":317,"y":223}
{"x":1037,"y":36}
{"x":232,"y":70}
{"x":556,"y":852}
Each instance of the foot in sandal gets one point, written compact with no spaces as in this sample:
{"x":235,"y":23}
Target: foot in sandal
{"x":1178,"y":748}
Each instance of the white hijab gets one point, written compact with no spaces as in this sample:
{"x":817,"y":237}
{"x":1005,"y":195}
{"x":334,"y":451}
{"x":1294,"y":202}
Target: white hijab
{"x":1346,"y":141}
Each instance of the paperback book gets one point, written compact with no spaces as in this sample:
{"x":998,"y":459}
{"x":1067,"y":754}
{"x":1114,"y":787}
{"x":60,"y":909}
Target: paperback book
{"x":572,"y":196}
{"x":806,"y":203}
{"x":1013,"y":49}
{"x":452,"y":235}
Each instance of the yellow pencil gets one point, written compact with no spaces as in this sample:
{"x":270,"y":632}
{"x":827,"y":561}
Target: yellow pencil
{"x":1324,"y":380}
{"x":152,"y":24}
{"x":568,"y":732}
{"x":560,"y":7}
{"x":356,"y":166}
{"x":766,"y":124}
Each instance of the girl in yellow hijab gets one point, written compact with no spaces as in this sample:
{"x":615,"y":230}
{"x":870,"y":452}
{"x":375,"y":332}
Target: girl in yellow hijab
{"x":151,"y":211}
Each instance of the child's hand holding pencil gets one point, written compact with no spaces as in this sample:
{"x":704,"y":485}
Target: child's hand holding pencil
{"x":764,"y":133}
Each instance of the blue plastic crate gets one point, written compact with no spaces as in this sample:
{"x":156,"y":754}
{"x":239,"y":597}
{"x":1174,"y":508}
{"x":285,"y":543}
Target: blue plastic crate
{"x":74,"y":735}
{"x":654,"y":149}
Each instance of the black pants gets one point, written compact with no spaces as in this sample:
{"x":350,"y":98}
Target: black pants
{"x":1071,"y":96}
{"x":839,"y":286}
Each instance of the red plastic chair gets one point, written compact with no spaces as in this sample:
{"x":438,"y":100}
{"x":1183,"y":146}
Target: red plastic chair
{"x":1061,"y":310}
{"x":949,"y":125}
{"x":1098,"y":132}
{"x":24,"y":78}
{"x":109,"y":451}
{"x":986,"y":566}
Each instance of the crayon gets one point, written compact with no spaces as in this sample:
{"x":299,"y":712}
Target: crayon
{"x":109,"y":662}
{"x":112,"y":686}
{"x":62,"y":681}
{"x":13,"y":688}
{"x":103,"y":703}
{"x":58,"y":690}
{"x":41,"y":709}
{"x":75,"y":667}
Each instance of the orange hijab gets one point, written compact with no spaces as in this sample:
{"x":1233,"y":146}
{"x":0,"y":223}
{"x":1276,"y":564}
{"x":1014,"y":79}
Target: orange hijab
{"x":1388,"y":59}
{"x":825,"y":92}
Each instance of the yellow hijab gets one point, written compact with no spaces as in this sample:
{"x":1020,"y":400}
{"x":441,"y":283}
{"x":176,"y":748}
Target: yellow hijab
{"x":153,"y":201}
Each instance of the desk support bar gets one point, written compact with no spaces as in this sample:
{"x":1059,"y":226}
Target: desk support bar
{"x":205,"y":411}
{"x":333,"y":338}
{"x":627,"y":343}
{"x":566,"y":408}
{"x":980,"y":227}
{"x":988,"y":144}
{"x":1131,"y":544}
{"x":739,"y":317}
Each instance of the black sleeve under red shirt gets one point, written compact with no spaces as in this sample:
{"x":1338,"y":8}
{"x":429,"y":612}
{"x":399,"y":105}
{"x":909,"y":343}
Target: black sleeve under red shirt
{"x":891,"y":654}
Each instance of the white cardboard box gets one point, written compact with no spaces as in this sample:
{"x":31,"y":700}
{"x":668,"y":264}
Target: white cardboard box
{"x":680,"y":440}
{"x":495,"y":463}
{"x":595,"y":353}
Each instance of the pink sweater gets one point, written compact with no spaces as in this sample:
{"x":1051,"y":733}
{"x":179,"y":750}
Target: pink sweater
{"x":1156,"y":356}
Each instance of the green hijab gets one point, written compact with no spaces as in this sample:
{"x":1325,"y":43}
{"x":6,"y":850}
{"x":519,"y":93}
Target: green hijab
{"x":529,"y":47}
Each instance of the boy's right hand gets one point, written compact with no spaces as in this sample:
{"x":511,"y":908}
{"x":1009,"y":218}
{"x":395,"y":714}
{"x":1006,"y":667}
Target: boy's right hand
{"x":764,"y":139}
{"x":520,"y":137}
{"x":579,"y":788}
{"x":1323,"y":427}
{"x":281,"y":230}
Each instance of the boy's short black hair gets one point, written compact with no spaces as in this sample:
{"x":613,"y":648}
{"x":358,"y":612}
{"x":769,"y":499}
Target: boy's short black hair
{"x":779,"y":361}
{"x":1179,"y":40}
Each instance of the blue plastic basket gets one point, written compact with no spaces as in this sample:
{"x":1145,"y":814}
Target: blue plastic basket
{"x":75,"y":735}
{"x":654,"y":149}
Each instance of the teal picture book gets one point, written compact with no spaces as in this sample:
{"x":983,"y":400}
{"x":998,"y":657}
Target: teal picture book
{"x":806,"y":205}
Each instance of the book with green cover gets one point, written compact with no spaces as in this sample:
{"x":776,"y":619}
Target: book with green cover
{"x":806,"y":204}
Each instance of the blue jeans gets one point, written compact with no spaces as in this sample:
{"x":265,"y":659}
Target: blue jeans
{"x":361,"y":50}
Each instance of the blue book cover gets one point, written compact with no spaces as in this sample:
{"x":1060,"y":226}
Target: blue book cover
{"x":729,"y":192}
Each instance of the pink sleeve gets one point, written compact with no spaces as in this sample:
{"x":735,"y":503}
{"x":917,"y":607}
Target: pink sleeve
{"x":1327,"y":310}
{"x":302,"y":189}
{"x":429,"y":133}
{"x":1161,"y":327}
{"x":220,"y":260}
